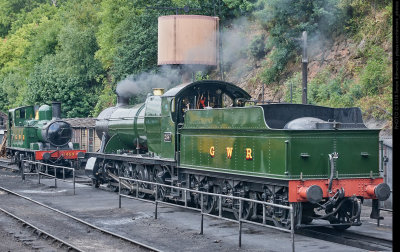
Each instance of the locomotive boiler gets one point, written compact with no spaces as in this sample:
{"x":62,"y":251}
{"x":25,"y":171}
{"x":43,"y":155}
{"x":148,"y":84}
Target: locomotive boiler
{"x":209,"y":136}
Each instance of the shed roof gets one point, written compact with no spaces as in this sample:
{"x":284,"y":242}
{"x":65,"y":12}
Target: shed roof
{"x":77,"y":122}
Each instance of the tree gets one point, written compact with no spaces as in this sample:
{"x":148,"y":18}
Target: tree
{"x":285,"y":20}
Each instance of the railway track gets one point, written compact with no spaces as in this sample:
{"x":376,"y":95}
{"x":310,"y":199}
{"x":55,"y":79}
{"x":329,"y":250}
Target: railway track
{"x":77,"y":230}
{"x":4,"y":163}
{"x":43,"y":234}
{"x":348,"y":238}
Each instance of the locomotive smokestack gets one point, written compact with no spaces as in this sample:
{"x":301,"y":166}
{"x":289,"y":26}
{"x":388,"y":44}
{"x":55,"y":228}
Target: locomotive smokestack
{"x":56,"y":108}
{"x":122,"y":100}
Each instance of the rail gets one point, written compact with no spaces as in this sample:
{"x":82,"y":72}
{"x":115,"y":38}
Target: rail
{"x":39,"y":173}
{"x":81,"y":220}
{"x":41,"y":232}
{"x":122,"y":181}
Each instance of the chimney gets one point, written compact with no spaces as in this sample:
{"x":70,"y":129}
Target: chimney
{"x":56,"y":108}
{"x":122,"y":101}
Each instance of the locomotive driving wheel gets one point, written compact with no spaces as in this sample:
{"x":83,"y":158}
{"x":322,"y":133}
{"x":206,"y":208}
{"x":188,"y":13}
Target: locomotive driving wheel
{"x":126,"y":172}
{"x":159,"y":175}
{"x":142,"y":173}
{"x":246,"y":206}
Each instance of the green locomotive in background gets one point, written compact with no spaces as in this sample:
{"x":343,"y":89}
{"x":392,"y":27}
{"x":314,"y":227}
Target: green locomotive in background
{"x":206,"y":135}
{"x":39,"y":134}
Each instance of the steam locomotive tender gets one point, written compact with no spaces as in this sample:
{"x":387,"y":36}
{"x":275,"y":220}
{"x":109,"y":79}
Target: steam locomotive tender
{"x":201,"y":136}
{"x":41,"y":135}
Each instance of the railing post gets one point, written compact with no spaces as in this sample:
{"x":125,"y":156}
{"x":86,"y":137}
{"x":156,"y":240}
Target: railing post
{"x":63,"y":173}
{"x":185,"y":197}
{"x":137,"y":189}
{"x":202,"y":216}
{"x":156,"y":210}
{"x":22,"y":170}
{"x":220,"y":206}
{"x":55,"y":177}
{"x":292,"y":226}
{"x":240,"y":223}
{"x":119,"y":192}
{"x":38,"y":171}
{"x":73,"y":179}
{"x":264,"y":221}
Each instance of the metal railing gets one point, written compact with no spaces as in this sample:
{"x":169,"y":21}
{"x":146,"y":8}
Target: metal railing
{"x":240,"y":221}
{"x":39,"y":173}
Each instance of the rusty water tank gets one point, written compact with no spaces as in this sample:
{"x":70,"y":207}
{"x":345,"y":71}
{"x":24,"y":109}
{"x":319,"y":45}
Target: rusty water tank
{"x":188,"y":39}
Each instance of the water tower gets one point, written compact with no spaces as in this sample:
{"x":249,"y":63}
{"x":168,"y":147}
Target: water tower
{"x":190,"y":42}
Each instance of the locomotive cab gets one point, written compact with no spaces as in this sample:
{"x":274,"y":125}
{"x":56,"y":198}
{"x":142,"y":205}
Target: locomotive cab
{"x":204,"y":95}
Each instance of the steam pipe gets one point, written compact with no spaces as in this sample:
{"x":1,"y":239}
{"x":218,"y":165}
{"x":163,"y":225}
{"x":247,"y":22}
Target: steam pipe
{"x":332,"y":164}
{"x":304,"y":64}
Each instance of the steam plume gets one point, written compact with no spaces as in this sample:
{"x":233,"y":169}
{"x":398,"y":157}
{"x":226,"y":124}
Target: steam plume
{"x":144,"y":82}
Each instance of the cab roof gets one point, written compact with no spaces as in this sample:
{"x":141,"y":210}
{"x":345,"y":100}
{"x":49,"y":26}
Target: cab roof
{"x":228,"y":88}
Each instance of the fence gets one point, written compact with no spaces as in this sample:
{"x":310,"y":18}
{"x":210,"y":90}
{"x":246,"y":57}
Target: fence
{"x":39,"y":173}
{"x":122,"y":181}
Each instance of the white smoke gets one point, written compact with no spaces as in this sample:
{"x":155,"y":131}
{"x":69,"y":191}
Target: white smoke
{"x":166,"y":78}
{"x":235,"y":40}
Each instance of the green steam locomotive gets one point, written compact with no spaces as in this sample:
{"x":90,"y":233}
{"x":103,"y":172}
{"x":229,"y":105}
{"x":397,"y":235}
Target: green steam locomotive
{"x":207,"y":135}
{"x":39,"y":134}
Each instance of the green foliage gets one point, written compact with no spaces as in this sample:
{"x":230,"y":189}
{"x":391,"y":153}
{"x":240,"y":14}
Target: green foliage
{"x":376,"y":73}
{"x":200,"y":75}
{"x":68,"y":72}
{"x":11,"y":10}
{"x":324,"y":89}
{"x":275,"y":64}
{"x":51,"y":82}
{"x":137,"y":51}
{"x":12,"y":86}
{"x":106,"y":99}
{"x":224,"y":9}
{"x":111,"y":28}
{"x":285,"y":20}
{"x":357,"y":10}
{"x":75,"y":52}
{"x":293,"y":89}
{"x":257,"y":47}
